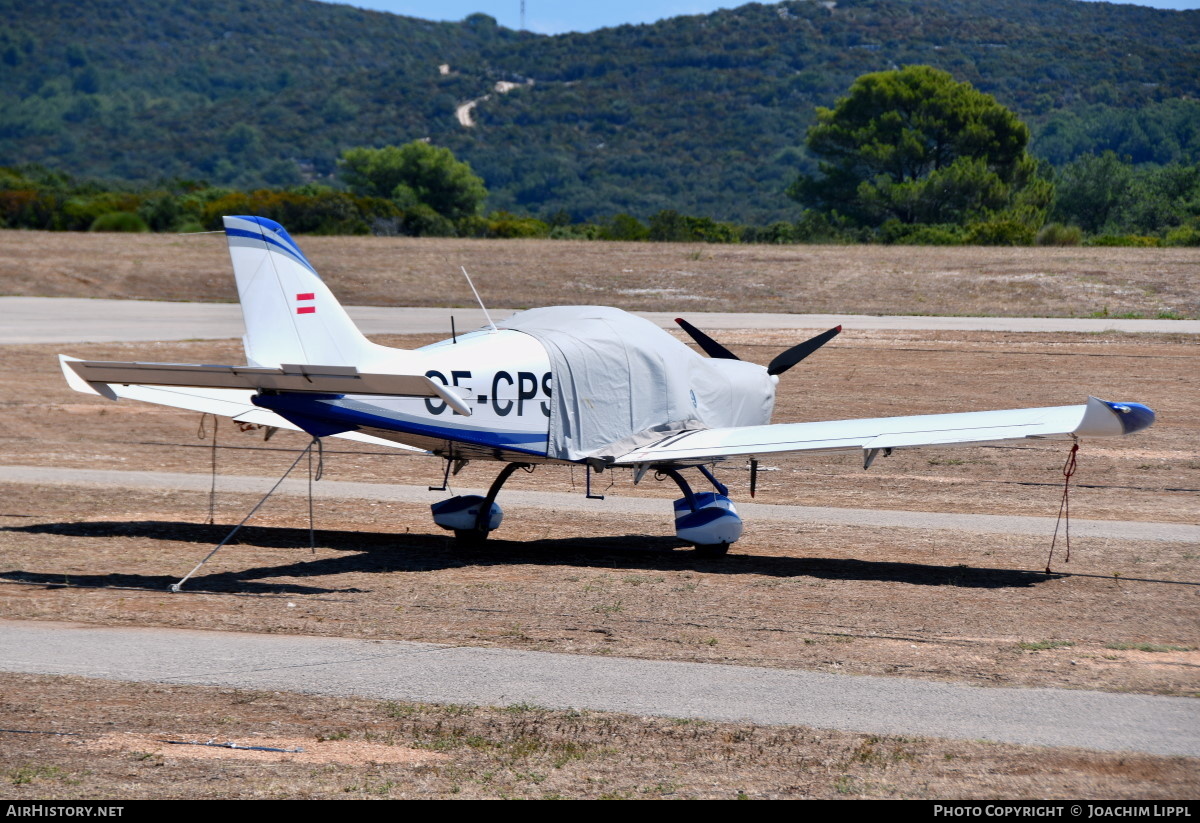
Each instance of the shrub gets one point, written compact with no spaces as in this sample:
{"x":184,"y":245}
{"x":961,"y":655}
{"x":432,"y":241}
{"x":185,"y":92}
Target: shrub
{"x":1183,"y":236}
{"x":817,"y":227}
{"x":326,"y":212}
{"x":81,"y":211}
{"x":778,"y":233}
{"x":672,"y":227}
{"x":119,"y":221}
{"x":422,"y":221}
{"x":29,"y":209}
{"x":708,"y":230}
{"x":933,"y":236}
{"x":475,"y":225}
{"x":669,"y":226}
{"x":907,"y":234}
{"x":578,"y":231}
{"x":1000,"y":233}
{"x":503,"y":224}
{"x":161,"y":212}
{"x":1136,"y":240}
{"x":1056,"y":234}
{"x":624,"y":227}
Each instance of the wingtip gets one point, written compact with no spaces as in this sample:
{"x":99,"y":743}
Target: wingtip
{"x":1133,"y":416}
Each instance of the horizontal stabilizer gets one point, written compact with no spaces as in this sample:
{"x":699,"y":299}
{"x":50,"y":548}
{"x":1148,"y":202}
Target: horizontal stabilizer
{"x":287,"y":378}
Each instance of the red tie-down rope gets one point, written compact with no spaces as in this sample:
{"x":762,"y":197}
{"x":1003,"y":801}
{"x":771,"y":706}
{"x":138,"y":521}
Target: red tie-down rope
{"x":1064,"y":508}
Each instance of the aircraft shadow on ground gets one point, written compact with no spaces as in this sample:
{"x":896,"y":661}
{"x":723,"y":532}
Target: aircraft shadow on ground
{"x":376,"y":553}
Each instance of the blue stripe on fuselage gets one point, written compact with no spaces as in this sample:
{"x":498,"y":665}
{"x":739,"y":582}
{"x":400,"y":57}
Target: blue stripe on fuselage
{"x":332,"y":411}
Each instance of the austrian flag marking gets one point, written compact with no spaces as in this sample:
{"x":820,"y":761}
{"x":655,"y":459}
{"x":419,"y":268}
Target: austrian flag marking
{"x":306,"y":309}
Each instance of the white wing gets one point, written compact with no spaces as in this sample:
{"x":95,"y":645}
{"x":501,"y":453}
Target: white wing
{"x":1096,"y":418}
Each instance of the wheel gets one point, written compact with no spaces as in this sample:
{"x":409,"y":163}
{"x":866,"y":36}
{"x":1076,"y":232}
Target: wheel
{"x":470,"y":537}
{"x":712,"y":549}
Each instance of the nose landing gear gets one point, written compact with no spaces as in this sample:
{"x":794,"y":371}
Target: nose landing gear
{"x":708,"y":520}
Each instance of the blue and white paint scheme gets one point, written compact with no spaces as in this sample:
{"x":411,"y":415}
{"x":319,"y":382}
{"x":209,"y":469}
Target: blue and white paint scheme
{"x":569,"y":384}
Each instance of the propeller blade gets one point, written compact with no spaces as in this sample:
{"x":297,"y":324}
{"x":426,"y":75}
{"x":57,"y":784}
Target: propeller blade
{"x":797,"y":353}
{"x":711,"y":347}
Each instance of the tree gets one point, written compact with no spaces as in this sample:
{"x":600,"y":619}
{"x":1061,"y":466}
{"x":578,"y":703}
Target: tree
{"x":916,"y":146}
{"x":1091,"y":189}
{"x":1107,"y":194}
{"x":415,"y":174}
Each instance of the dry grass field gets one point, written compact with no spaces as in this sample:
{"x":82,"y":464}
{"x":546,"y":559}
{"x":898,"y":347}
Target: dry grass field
{"x":1015,"y":282}
{"x":370,"y":749}
{"x":968,"y":607}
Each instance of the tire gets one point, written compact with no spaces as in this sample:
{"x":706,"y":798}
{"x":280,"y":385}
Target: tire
{"x":469,"y":537}
{"x":712,"y":549}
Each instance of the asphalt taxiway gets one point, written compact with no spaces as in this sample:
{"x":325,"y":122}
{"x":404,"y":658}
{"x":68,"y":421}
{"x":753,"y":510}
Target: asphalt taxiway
{"x":80,"y":320}
{"x":426,"y":672}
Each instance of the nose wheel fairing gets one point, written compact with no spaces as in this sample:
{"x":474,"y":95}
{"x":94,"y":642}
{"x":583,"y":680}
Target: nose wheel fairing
{"x":707,"y":520}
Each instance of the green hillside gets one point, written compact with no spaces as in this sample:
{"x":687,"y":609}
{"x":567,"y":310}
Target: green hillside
{"x":704,"y":114}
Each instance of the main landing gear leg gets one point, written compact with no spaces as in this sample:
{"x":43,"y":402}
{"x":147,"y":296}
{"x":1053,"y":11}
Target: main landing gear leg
{"x":688,"y":495}
{"x":480,"y":532}
{"x":472,"y":517}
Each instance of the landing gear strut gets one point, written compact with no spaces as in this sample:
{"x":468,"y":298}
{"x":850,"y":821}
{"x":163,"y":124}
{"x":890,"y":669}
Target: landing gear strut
{"x":707,"y":520}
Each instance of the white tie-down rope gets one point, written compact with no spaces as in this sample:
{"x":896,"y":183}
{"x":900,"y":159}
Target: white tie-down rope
{"x":175,"y":587}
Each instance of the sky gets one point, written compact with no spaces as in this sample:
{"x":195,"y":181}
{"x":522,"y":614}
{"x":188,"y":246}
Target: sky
{"x":557,"y":16}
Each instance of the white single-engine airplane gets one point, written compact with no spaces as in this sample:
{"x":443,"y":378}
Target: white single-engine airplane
{"x":567,"y":384}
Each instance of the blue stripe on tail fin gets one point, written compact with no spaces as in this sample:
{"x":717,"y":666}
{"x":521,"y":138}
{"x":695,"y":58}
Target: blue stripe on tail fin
{"x":267,"y":232}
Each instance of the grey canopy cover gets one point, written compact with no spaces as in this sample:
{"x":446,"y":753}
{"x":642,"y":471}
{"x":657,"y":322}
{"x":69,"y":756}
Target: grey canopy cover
{"x":620,"y":382}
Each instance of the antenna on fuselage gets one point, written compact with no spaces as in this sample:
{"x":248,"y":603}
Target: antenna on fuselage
{"x":485,"y":311}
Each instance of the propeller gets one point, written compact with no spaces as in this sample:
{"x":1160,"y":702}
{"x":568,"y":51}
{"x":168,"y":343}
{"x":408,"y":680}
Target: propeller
{"x":711,"y":347}
{"x":779,"y":365}
{"x":798,"y":352}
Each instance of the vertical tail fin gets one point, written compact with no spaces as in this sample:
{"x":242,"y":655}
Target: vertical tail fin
{"x":290,"y":314}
